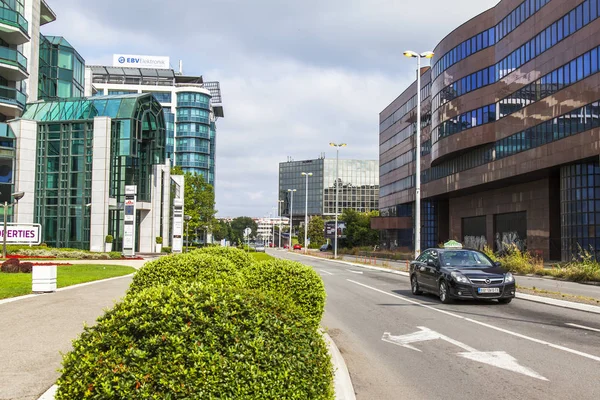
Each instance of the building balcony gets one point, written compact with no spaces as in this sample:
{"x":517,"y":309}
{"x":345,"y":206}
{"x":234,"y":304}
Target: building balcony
{"x":12,"y":102}
{"x":190,"y":118}
{"x":192,"y":164}
{"x":46,"y":13}
{"x":13,"y":64}
{"x":13,"y":27}
{"x":196,"y":135}
{"x":195,"y":104}
{"x":192,"y":149}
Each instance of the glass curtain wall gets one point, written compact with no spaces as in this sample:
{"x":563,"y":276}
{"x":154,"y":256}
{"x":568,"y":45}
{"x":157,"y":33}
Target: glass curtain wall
{"x":62,"y":69}
{"x":358,"y":182}
{"x":193,"y":134}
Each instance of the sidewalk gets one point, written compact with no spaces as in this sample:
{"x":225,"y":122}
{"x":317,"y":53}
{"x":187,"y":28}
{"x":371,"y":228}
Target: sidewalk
{"x":549,"y":284}
{"x":35,"y":330}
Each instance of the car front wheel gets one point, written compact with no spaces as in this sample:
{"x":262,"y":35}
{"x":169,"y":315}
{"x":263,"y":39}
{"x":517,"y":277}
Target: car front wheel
{"x":414,"y":285}
{"x":444,"y":293}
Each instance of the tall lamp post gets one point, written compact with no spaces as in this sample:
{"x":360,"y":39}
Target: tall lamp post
{"x":187,"y":219}
{"x":412,"y":54}
{"x":279,"y":202}
{"x":337,"y":184}
{"x":18,"y":196}
{"x":291,"y":216}
{"x":306,"y":174}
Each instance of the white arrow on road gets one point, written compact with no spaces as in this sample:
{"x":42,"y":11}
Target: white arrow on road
{"x":499,"y":359}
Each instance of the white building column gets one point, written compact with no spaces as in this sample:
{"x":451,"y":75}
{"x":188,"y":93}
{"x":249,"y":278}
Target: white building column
{"x":31,"y":49}
{"x":24,"y":172}
{"x":166,"y":201}
{"x":100,"y":183}
{"x":151,"y":220}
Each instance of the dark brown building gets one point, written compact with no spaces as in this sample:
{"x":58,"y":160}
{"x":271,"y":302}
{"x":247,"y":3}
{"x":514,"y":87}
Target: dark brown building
{"x":510,"y":138}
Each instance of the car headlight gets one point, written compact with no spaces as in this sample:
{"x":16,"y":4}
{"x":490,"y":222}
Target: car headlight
{"x":508,"y":278}
{"x":458,"y":277}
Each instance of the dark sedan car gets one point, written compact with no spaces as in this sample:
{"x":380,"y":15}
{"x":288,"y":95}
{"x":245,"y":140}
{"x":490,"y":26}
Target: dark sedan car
{"x":461,"y":274}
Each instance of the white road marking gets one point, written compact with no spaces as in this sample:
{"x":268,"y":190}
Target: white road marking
{"x":539,"y":341}
{"x":498,"y":359}
{"x":583,"y":327}
{"x":326,"y":272}
{"x":355,"y":272}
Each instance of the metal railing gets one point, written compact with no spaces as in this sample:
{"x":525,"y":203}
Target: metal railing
{"x":11,"y":17}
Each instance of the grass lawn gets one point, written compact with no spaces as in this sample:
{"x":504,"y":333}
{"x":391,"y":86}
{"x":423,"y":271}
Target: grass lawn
{"x":258,"y":256}
{"x":12,"y":285}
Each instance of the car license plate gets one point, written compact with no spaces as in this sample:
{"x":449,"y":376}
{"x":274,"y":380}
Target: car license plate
{"x":488,"y":290}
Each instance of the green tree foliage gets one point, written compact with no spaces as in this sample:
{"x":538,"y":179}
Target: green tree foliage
{"x":358,"y":228}
{"x":199,"y":201}
{"x":221,"y":230}
{"x":237,"y":229}
{"x":316,"y":232}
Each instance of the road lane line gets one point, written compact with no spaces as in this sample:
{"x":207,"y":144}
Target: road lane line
{"x":583,"y":327}
{"x":326,"y":272}
{"x":539,"y":341}
{"x":355,"y":272}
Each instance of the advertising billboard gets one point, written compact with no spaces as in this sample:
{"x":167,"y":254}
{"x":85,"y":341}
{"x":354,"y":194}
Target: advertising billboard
{"x":330,"y":229}
{"x":135,"y":61}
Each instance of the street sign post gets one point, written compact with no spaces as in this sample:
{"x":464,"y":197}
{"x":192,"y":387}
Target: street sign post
{"x":129,"y":221}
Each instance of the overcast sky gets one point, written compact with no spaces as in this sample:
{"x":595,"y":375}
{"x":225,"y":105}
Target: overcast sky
{"x":295,"y":75}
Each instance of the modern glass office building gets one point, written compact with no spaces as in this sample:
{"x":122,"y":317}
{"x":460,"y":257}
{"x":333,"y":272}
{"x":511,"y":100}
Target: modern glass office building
{"x":511,"y":131}
{"x":191,"y":108}
{"x":61,"y":69}
{"x":357,"y":181}
{"x":86,"y":152}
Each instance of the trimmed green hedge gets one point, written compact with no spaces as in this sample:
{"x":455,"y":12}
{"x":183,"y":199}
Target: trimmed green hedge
{"x":198,"y":342}
{"x":186,"y":268}
{"x":237,"y":256}
{"x":301,"y":283}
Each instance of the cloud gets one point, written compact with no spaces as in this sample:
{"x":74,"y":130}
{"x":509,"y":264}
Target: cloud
{"x":294,"y":75}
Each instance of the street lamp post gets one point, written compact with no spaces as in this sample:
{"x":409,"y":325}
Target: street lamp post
{"x":18,"y":196}
{"x":337,"y":184}
{"x":187,"y":219}
{"x":291,"y":216}
{"x":306,"y":174}
{"x":279,"y":215}
{"x":412,"y":54}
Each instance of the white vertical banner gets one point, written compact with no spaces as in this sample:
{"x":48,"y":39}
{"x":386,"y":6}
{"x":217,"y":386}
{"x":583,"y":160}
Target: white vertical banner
{"x":177,"y":226}
{"x":129,"y":221}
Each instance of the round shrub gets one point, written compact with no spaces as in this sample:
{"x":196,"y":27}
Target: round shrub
{"x":301,"y":283}
{"x":10,"y":266}
{"x":181,"y":268}
{"x":198,"y":342}
{"x":26,"y":267}
{"x":236,"y":256}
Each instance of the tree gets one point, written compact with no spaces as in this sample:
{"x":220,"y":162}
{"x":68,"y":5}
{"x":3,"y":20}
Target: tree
{"x":199,"y":201}
{"x":358,"y":228}
{"x":221,"y":230}
{"x":316,"y":232}
{"x":237,"y":229}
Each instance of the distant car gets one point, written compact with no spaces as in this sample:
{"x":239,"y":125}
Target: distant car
{"x":325,"y":247}
{"x":461,"y":274}
{"x":297,"y":246}
{"x":286,"y":246}
{"x":260,"y":248}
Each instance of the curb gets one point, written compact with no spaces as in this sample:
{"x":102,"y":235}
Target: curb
{"x":522,"y":296}
{"x":29,"y":296}
{"x":342,"y":382}
{"x":49,"y":394}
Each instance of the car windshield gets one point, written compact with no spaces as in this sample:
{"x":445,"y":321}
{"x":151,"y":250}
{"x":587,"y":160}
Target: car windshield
{"x":465,"y":259}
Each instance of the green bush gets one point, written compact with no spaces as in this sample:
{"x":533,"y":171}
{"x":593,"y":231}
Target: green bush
{"x":237,"y":256}
{"x":166,"y":249}
{"x":301,"y":283}
{"x":108,"y":239}
{"x":185,"y":268}
{"x":520,"y":262}
{"x":195,"y":342}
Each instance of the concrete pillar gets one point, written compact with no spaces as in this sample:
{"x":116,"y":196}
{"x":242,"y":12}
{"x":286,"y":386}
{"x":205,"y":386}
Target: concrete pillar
{"x":26,"y":133}
{"x":100,"y":183}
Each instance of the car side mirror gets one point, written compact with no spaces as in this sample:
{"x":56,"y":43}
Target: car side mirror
{"x":497,"y":264}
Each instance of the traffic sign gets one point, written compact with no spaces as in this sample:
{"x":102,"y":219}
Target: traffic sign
{"x":247,"y":231}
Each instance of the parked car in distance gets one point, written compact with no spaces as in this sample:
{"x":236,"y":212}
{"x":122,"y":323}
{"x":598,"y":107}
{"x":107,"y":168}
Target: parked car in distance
{"x":461,"y":274}
{"x":260,"y":248}
{"x":286,"y":246}
{"x":297,"y":246}
{"x":325,"y":247}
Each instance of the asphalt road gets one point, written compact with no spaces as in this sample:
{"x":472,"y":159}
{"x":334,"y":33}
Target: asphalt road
{"x":466,"y":350}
